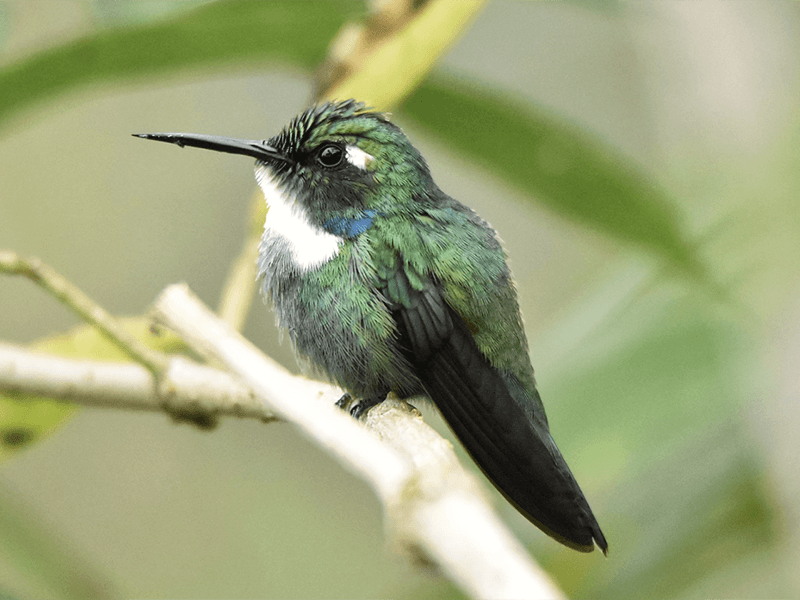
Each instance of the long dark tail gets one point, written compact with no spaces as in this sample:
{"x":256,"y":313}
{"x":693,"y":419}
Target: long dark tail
{"x":517,"y":454}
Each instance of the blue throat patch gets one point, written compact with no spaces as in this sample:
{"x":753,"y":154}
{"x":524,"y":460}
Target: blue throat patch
{"x":350,"y":227}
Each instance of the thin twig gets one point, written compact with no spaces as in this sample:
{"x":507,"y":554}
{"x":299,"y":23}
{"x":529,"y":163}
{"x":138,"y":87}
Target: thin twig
{"x":237,"y":295}
{"x":240,"y":284}
{"x":91,"y":312}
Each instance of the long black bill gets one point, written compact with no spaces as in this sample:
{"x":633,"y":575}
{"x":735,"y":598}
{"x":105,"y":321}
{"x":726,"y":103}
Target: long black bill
{"x":255,"y":148}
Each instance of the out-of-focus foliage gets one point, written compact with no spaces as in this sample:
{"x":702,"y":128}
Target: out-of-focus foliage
{"x":219,"y":33}
{"x":568,"y":171}
{"x":25,"y":420}
{"x":646,"y":379}
{"x":215,"y":35}
{"x":54,"y":567}
{"x":554,"y":162}
{"x":396,"y":67}
{"x":684,"y":507}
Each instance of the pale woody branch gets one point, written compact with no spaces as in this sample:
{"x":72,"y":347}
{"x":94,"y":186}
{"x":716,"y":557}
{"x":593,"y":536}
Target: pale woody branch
{"x":432,"y":505}
{"x":185,"y":388}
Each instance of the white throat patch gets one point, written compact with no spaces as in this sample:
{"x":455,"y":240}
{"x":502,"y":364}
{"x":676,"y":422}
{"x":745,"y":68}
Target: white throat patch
{"x":310,"y":245}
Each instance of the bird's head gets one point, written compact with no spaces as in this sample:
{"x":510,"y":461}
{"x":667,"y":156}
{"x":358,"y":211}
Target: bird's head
{"x":335,"y":160}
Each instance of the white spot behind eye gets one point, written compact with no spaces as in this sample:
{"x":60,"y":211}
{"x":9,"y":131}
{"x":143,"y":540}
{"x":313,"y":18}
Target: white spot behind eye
{"x":310,"y":246}
{"x":357,"y":157}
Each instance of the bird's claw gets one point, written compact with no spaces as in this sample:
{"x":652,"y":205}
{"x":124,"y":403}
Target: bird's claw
{"x":360,"y":407}
{"x":344,"y":401}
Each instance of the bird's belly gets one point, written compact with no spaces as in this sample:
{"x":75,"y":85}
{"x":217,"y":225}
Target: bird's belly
{"x":338,"y":325}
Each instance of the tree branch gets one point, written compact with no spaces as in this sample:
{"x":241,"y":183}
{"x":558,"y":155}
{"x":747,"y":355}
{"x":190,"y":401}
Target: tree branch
{"x":185,"y":389}
{"x":432,"y":505}
{"x":434,"y":508}
{"x":91,"y":312}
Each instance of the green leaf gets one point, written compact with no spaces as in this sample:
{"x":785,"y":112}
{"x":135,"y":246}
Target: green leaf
{"x":26,"y":419}
{"x":216,"y":34}
{"x":564,"y":168}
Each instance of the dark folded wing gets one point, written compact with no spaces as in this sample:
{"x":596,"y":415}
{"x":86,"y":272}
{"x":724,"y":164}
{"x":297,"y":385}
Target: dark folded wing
{"x":517,"y":454}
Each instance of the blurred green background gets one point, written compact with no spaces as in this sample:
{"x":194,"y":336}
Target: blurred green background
{"x":662,"y":308}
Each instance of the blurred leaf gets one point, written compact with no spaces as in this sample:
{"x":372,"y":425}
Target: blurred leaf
{"x":562,"y":167}
{"x":692,"y":511}
{"x":669,"y":362}
{"x":395,"y":68}
{"x":215,"y":34}
{"x":112,"y":12}
{"x":646,"y":407}
{"x":26,"y":419}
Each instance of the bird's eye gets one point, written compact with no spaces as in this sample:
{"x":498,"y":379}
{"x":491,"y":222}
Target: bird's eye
{"x":330,"y":156}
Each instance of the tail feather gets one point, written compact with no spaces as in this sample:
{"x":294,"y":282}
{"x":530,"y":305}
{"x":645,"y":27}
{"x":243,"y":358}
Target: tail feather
{"x":518,"y":455}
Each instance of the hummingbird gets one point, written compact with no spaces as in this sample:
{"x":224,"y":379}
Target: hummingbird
{"x":387,"y":284}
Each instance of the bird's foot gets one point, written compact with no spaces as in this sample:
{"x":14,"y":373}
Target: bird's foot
{"x":360,"y":407}
{"x":344,"y":402}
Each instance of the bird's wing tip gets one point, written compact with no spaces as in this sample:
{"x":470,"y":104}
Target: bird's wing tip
{"x":601,"y":542}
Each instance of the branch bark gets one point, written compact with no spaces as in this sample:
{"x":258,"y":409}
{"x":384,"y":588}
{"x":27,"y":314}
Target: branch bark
{"x":433,"y":506}
{"x":185,"y":388}
{"x":434,"y":509}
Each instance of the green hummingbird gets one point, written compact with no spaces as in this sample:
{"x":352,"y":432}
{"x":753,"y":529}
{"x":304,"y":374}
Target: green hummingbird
{"x":387,"y":284}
